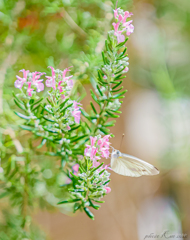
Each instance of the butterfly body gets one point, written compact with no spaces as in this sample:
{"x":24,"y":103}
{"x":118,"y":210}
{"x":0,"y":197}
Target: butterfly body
{"x":128,"y":165}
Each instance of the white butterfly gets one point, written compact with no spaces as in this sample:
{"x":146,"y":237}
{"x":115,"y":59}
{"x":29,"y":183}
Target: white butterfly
{"x":128,"y":165}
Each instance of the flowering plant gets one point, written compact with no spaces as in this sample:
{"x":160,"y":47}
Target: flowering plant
{"x":61,"y":128}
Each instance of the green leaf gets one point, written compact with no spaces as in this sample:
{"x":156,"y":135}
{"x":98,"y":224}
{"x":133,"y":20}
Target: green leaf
{"x":74,"y":176}
{"x":93,"y":108}
{"x":50,"y":120}
{"x":98,"y":201}
{"x":28,"y":128}
{"x":85,"y":114}
{"x":63,"y":103}
{"x":65,"y":108}
{"x":69,"y":201}
{"x":89,"y":214}
{"x":94,"y":169}
{"x":120,"y":70}
{"x":88,"y":127}
{"x":102,"y":171}
{"x":106,"y":182}
{"x":77,"y":207}
{"x":14,"y":95}
{"x":109,"y":39}
{"x":94,"y":96}
{"x":99,"y":90}
{"x":117,"y":90}
{"x":76,"y":190}
{"x":36,"y":102}
{"x":122,"y":43}
{"x":93,"y":205}
{"x":50,"y":130}
{"x":110,"y":124}
{"x":116,"y":111}
{"x":22,"y":116}
{"x":74,"y":128}
{"x":112,"y":115}
{"x":20,"y":105}
{"x":119,"y":94}
{"x":36,"y":107}
{"x":104,"y":130}
{"x":101,"y":77}
{"x":108,"y":48}
{"x":75,"y":139}
{"x":103,"y":57}
{"x":121,"y":55}
{"x":119,"y":77}
{"x":117,"y":85}
{"x":42,"y":143}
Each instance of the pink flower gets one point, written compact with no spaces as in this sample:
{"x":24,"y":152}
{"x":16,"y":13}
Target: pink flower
{"x":126,"y":15}
{"x":40,"y":86}
{"x":124,"y":18}
{"x":104,"y":142}
{"x":120,"y":37}
{"x":105,"y":152}
{"x":124,"y":26}
{"x":70,"y":84}
{"x":116,"y":26}
{"x":20,"y":81}
{"x":91,"y":152}
{"x":25,"y":73}
{"x":130,"y":29}
{"x":38,"y":83}
{"x":65,"y":72}
{"x":97,"y":149}
{"x":95,"y":163}
{"x":50,"y":82}
{"x":126,"y":69}
{"x":60,"y":87}
{"x":120,"y":18}
{"x":68,"y":128}
{"x":108,"y":189}
{"x":29,"y":90}
{"x":68,"y":180}
{"x":115,"y":13}
{"x":63,"y":96}
{"x":76,"y":114}
{"x":75,"y":105}
{"x":93,"y":140}
{"x":75,"y":168}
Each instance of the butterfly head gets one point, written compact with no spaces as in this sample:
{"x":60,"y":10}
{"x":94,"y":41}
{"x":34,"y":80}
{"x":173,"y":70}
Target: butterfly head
{"x":116,"y":153}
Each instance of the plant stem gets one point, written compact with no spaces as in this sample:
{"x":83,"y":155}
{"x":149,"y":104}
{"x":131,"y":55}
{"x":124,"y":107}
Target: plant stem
{"x":24,"y":210}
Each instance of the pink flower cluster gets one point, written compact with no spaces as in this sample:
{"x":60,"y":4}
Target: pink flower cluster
{"x":76,"y":112}
{"x":99,"y":148}
{"x":122,"y":25}
{"x":63,"y":80}
{"x":33,"y":81}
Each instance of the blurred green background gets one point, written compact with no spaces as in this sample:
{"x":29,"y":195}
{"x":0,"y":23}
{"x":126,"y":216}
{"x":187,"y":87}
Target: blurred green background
{"x":156,"y":110}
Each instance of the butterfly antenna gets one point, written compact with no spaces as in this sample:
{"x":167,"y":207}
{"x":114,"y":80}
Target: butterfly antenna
{"x":121,"y":141}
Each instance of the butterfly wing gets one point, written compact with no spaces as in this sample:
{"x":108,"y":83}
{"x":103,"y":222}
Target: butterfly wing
{"x":128,"y":165}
